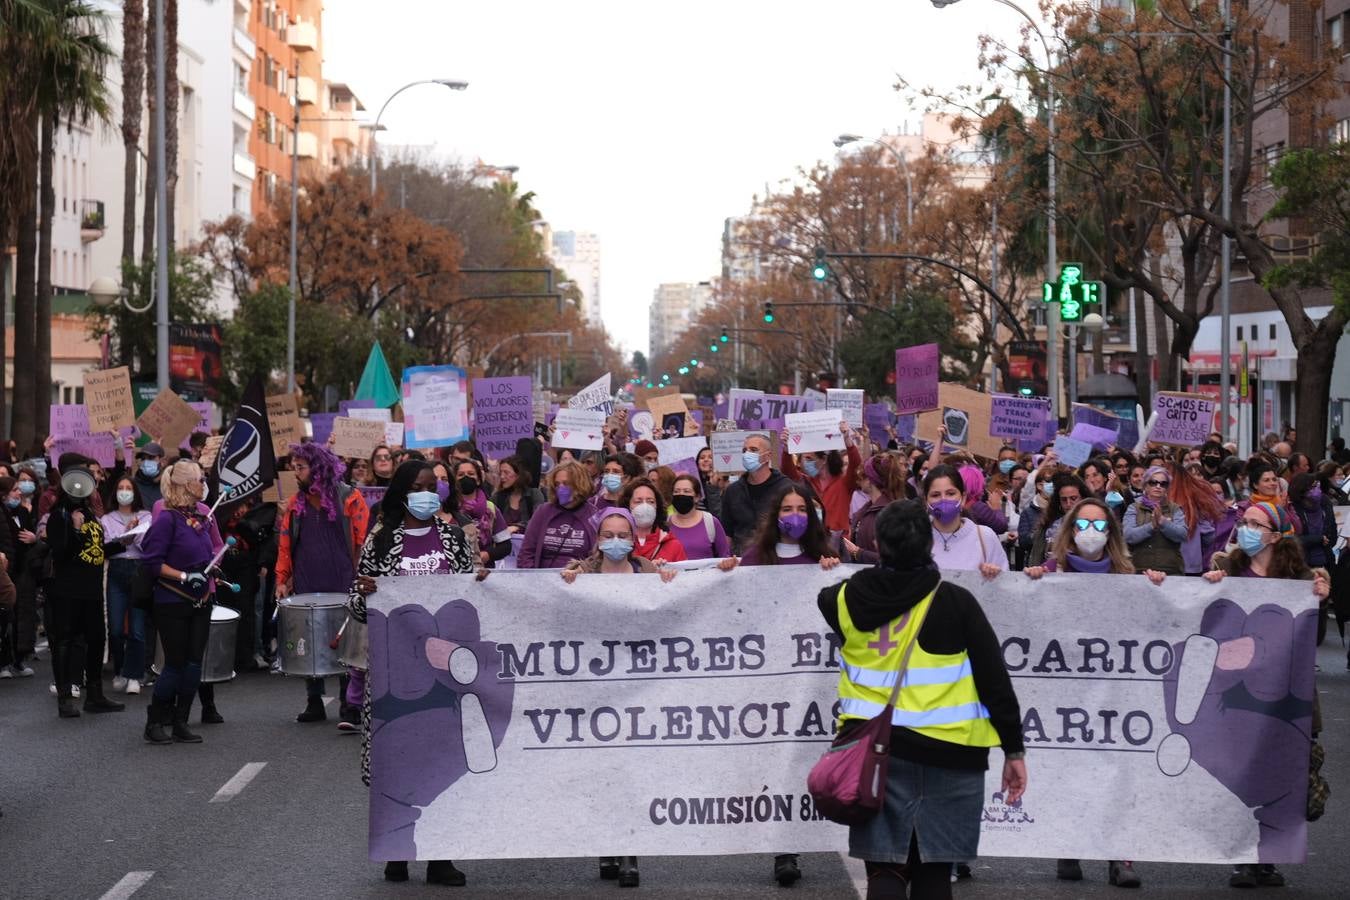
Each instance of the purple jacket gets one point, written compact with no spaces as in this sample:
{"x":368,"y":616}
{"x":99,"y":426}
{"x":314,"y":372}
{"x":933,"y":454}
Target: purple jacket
{"x":179,"y":541}
{"x":556,"y":536}
{"x":982,"y":513}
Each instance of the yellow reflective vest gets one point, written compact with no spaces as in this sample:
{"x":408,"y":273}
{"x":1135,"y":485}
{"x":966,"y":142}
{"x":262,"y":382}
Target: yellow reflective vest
{"x":937,"y":697}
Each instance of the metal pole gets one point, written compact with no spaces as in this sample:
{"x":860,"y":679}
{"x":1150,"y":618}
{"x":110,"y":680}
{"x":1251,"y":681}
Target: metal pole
{"x":295,"y":212}
{"x":1225,"y":262}
{"x":1073,"y":364}
{"x":162,"y":210}
{"x":1052,"y":251}
{"x":993,"y":279}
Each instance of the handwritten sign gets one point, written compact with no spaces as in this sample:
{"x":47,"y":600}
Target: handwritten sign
{"x":370,"y":415}
{"x":1184,"y":420}
{"x":1018,"y":417}
{"x":726,"y":450}
{"x":107,"y":396}
{"x":393,"y":434}
{"x":579,"y":429}
{"x":848,"y":402}
{"x":211,"y":450}
{"x":372,"y":494}
{"x":595,"y":396}
{"x":203,"y":423}
{"x":503,"y":414}
{"x":673,"y":450}
{"x":169,"y":419}
{"x":1072,"y":452}
{"x":769,"y":411}
{"x":435,"y":406}
{"x":812,"y":432}
{"x":70,"y":429}
{"x":284,"y":419}
{"x":288,"y":485}
{"x":878,"y":417}
{"x":916,"y":378}
{"x":356,"y":438}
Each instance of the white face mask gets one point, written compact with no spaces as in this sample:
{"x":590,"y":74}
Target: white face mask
{"x":644,"y":514}
{"x":1090,"y":542}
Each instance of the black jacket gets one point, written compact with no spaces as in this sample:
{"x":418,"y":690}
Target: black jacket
{"x":955,"y":623}
{"x":743,"y":504}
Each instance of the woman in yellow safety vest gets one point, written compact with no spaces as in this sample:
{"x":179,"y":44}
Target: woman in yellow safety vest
{"x":955,"y":702}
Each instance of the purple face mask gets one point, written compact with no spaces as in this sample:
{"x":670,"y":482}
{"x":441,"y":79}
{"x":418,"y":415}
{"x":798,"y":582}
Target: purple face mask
{"x":564,"y":492}
{"x":945,"y":511}
{"x":793,"y":525}
{"x":442,"y":489}
{"x":1314,"y":494}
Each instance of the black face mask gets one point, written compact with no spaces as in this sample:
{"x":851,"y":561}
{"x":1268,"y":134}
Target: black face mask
{"x":468,"y":486}
{"x":1211,"y":462}
{"x":683,"y":503}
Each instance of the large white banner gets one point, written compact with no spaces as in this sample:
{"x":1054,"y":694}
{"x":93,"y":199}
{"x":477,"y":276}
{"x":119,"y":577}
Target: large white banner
{"x":524,"y":717}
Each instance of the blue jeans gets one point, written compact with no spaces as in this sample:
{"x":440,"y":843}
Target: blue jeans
{"x":126,"y":643}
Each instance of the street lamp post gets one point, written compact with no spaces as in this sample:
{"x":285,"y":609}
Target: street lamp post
{"x":1051,"y":251}
{"x":845,"y":139}
{"x":161,"y":210}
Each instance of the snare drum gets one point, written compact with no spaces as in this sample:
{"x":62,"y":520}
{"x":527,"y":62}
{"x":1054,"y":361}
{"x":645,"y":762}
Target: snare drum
{"x":307,"y":632}
{"x":218,"y":657}
{"x":354,"y":645}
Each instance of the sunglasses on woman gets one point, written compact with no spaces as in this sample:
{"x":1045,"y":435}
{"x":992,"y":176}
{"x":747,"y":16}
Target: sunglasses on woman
{"x":1085,"y":524}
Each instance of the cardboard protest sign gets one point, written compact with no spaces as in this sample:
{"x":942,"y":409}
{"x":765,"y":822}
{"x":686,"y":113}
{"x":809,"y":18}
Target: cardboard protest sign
{"x":916,"y":378}
{"x":356,"y":438}
{"x":169,"y":419}
{"x":1184,"y":420}
{"x":283,"y":417}
{"x":669,"y":414}
{"x":976,"y":408}
{"x":579,"y":429}
{"x":108,"y":398}
{"x":211,"y":451}
{"x":849,"y":403}
{"x":814,"y":432}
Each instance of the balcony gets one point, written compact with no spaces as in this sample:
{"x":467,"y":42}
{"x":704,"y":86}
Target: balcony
{"x":245,"y":43}
{"x":245,"y":166}
{"x":307,"y":90}
{"x":92,"y":222}
{"x":307,"y":147}
{"x":244,"y":105}
{"x":302,"y":36}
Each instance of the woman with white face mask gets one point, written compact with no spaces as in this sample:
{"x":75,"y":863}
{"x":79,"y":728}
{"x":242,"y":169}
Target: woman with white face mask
{"x":1091,"y":542}
{"x":642,"y":498}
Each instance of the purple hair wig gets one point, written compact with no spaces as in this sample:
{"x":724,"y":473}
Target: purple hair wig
{"x":325,"y":473}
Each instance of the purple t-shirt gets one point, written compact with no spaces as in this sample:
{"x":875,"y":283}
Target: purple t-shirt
{"x":423,"y":553}
{"x":695,"y":539}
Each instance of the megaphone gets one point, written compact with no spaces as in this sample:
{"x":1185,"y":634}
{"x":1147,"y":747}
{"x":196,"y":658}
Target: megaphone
{"x":78,"y":483}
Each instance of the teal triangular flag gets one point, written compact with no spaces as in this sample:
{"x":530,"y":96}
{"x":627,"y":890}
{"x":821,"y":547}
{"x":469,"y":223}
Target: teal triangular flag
{"x":376,"y":382}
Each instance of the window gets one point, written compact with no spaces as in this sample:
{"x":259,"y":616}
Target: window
{"x":1239,"y":332}
{"x":1336,"y":32}
{"x":1340,"y":132}
{"x":1272,"y":331}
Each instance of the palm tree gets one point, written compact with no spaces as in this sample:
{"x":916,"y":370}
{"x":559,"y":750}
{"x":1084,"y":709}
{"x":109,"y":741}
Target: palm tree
{"x":133,"y":107}
{"x":71,"y":88}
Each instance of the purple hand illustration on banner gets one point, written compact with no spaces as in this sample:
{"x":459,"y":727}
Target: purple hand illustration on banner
{"x":1223,"y":686}
{"x":439,"y":701}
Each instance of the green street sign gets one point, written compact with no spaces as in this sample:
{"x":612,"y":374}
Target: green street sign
{"x":1073,"y":293}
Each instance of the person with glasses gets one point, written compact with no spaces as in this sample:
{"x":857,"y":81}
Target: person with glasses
{"x":1268,"y":548}
{"x":1091,"y":542}
{"x":382,"y":466}
{"x":1155,"y":527}
{"x":615,"y":555}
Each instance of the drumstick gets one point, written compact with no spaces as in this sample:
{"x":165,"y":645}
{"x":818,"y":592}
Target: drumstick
{"x":224,"y":492}
{"x":220,"y":554}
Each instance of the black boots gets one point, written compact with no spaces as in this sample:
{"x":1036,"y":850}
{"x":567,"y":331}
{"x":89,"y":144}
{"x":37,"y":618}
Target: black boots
{"x":396,"y":871}
{"x":314,"y":711}
{"x":156,"y":717}
{"x":628,"y":871}
{"x":96,"y":702}
{"x":443,"y":871}
{"x":211,"y":716}
{"x":785,"y":869}
{"x":609,"y":867}
{"x":181,"y":734}
{"x":66,"y":708}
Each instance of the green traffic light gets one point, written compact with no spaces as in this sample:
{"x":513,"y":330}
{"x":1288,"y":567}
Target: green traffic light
{"x":820,"y":273}
{"x":768,"y":317}
{"x":693,"y":362}
{"x":712,"y":348}
{"x":1025,"y":392}
{"x":724,"y":337}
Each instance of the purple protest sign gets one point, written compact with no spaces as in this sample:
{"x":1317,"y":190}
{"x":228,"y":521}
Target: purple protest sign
{"x":916,"y":378}
{"x":70,"y":428}
{"x":1100,"y":438}
{"x":322,"y":425}
{"x":1183,"y":420}
{"x":346,"y":406}
{"x":503,"y":410}
{"x":877,"y":418}
{"x":1018,"y":417}
{"x":767,"y":411}
{"x":905,"y":426}
{"x":371,"y":494}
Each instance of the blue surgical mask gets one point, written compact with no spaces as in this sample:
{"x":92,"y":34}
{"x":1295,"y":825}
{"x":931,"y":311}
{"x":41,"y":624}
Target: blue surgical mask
{"x":150,"y":468}
{"x":611,"y":482}
{"x":616,"y":549}
{"x":1048,"y":488}
{"x":13,"y":502}
{"x":1006,"y":465}
{"x":27,"y":488}
{"x":424,"y":504}
{"x":751,"y":461}
{"x":1251,"y":540}
{"x":1113,"y":498}
{"x":811,"y":468}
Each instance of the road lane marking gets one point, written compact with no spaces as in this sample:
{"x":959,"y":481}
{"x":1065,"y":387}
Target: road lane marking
{"x":130,"y":884}
{"x":230,"y":789}
{"x":857,"y":871}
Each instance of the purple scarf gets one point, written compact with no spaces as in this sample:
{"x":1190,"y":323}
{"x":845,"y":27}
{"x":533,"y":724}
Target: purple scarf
{"x":1088,"y":566}
{"x":477,"y":506}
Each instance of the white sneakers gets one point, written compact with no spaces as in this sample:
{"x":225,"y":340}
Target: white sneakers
{"x":16,"y":671}
{"x":74,"y":690}
{"x":133,"y":686}
{"x":119,"y":683}
{"x":6,"y":672}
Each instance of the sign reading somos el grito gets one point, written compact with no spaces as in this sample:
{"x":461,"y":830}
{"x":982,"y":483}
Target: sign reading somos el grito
{"x":702,"y":704}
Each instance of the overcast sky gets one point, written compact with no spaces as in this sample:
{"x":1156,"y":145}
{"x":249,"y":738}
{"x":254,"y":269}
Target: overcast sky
{"x":649,"y":124}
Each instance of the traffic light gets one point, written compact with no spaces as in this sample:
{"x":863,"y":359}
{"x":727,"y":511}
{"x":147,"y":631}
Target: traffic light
{"x":821,"y":270}
{"x":724,"y":336}
{"x":768,"y":310}
{"x":693,"y":362}
{"x":712,"y":348}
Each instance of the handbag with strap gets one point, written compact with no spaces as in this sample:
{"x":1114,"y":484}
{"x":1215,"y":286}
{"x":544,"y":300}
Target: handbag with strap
{"x":848,"y":783}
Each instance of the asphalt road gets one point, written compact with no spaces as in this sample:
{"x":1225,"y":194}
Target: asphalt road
{"x":268,"y":808}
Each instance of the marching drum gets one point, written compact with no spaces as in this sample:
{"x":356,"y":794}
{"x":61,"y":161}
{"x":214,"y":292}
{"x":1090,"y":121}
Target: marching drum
{"x":218,"y":658}
{"x":354,"y":645}
{"x":307,"y":631}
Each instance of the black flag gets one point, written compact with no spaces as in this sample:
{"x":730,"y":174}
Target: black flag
{"x":246,"y":465}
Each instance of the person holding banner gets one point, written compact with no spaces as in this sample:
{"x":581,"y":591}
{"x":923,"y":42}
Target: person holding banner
{"x":1092,"y":543}
{"x":697,"y":530}
{"x":964,"y":543}
{"x":516,"y":495}
{"x":1155,"y":528}
{"x":791,"y":533}
{"x":644,"y":500}
{"x":1267,"y":547}
{"x":408,"y":539}
{"x":560,"y":530}
{"x":901,"y":613}
{"x":494,"y":541}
